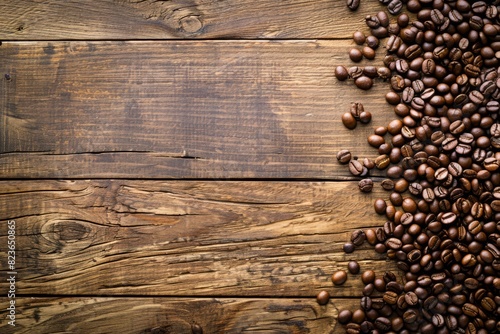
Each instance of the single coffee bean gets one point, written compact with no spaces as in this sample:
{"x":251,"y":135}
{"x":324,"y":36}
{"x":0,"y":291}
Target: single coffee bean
{"x":353,"y":267}
{"x":323,"y":297}
{"x":356,"y":55}
{"x":348,"y":247}
{"x":365,"y":185}
{"x":363,"y":82}
{"x":358,"y":237}
{"x":368,"y":276}
{"x":353,"y":4}
{"x":344,"y":316}
{"x":339,"y":277}
{"x":341,"y":73}
{"x":355,"y":72}
{"x":359,"y":38}
{"x":349,"y":121}
{"x":344,"y":156}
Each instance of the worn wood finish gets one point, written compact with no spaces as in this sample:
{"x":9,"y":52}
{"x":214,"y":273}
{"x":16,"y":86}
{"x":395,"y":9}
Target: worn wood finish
{"x":186,"y":238}
{"x":186,"y":19}
{"x":189,"y":109}
{"x":175,"y":315}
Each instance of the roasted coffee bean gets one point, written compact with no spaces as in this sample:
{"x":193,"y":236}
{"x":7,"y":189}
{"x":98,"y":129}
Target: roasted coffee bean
{"x":349,"y":121}
{"x":339,"y":277}
{"x":368,"y":276}
{"x":344,"y":316}
{"x":353,"y":267}
{"x":323,"y":297}
{"x":358,"y":237}
{"x":341,"y":73}
{"x":365,"y":185}
{"x":356,"y":55}
{"x":353,"y":4}
{"x":348,"y":247}
{"x":355,"y":167}
{"x":363,"y":82}
{"x":344,"y":156}
{"x":355,"y":72}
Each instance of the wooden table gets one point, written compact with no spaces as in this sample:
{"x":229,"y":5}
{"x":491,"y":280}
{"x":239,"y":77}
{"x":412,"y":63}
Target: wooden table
{"x":172,"y":163}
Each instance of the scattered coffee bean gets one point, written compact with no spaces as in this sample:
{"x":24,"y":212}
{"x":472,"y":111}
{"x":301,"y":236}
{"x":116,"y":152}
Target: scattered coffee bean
{"x":339,"y":277}
{"x":353,"y":267}
{"x":323,"y":297}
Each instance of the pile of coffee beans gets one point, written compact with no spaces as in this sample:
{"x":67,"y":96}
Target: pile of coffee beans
{"x":441,"y":157}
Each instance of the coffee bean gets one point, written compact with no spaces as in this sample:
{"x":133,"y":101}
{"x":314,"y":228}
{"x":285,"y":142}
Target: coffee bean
{"x":390,"y":297}
{"x":353,"y":4}
{"x":365,"y":185}
{"x":323,"y":297}
{"x":344,"y":316}
{"x":393,"y":243}
{"x":349,"y":121}
{"x":358,"y":237}
{"x":355,"y":72}
{"x":353,"y":267}
{"x":344,"y":156}
{"x":355,"y":55}
{"x":341,"y":73}
{"x":339,"y":277}
{"x":368,"y":276}
{"x":363,"y":82}
{"x":348,"y":247}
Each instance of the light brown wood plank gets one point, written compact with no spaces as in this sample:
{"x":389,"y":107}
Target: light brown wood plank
{"x":186,"y":238}
{"x":175,"y":316}
{"x":151,"y":19}
{"x":190,"y":109}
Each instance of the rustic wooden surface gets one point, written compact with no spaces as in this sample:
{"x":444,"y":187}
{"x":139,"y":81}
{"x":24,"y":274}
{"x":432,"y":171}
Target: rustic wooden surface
{"x":171,"y":163}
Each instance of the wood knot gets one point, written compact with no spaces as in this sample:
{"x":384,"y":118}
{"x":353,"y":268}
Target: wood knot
{"x":71,"y":231}
{"x":190,"y":24}
{"x":70,"y":235}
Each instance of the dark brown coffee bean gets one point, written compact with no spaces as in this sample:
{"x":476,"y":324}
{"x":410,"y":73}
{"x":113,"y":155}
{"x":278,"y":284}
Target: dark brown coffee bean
{"x":344,"y":156}
{"x":470,"y":309}
{"x":393,"y":243}
{"x":349,"y":121}
{"x":382,"y":161}
{"x":341,"y":73}
{"x":390,"y":297}
{"x":355,"y":55}
{"x":323,"y":297}
{"x":368,"y":52}
{"x":339,"y":277}
{"x":344,"y":316}
{"x":372,"y":42}
{"x":355,"y":167}
{"x":363,"y":82}
{"x":358,"y":37}
{"x":348,"y":247}
{"x":355,"y":72}
{"x":368,"y":276}
{"x":358,"y":237}
{"x":353,"y":267}
{"x":353,"y":4}
{"x":387,"y":184}
{"x":365,"y":185}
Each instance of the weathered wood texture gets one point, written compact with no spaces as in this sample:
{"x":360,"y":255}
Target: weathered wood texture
{"x":174,"y":316}
{"x":179,"y":109}
{"x":186,"y":238}
{"x":186,"y":19}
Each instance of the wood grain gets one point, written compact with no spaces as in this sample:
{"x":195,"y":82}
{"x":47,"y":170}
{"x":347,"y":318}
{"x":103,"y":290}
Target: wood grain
{"x":186,"y":238}
{"x":174,"y":315}
{"x":179,"y":109}
{"x":186,"y":19}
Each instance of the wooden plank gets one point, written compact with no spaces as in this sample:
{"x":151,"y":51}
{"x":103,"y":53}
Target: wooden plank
{"x":186,"y":19}
{"x":169,"y":315}
{"x":186,"y":238}
{"x":179,"y":109}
